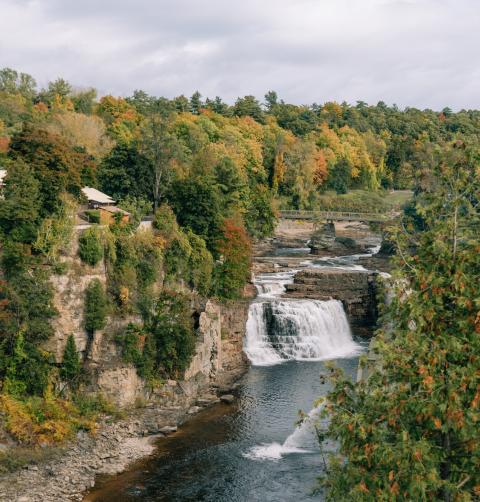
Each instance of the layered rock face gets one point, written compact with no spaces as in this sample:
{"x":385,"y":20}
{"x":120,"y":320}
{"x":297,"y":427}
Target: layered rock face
{"x":234,"y":316}
{"x":219,"y":344}
{"x":355,"y":289}
{"x":325,"y":240}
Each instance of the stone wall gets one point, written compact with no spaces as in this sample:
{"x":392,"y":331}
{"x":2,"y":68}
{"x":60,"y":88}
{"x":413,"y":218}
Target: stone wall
{"x":356,"y":290}
{"x":234,"y":320}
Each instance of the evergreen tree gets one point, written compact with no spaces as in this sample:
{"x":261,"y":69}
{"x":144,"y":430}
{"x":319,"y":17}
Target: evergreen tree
{"x":19,"y":209}
{"x":95,"y":306}
{"x":410,"y":431}
{"x":71,"y":365}
{"x":196,"y":103}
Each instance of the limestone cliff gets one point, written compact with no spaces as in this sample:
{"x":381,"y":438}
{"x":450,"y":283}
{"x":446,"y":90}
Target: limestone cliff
{"x":219,"y":340}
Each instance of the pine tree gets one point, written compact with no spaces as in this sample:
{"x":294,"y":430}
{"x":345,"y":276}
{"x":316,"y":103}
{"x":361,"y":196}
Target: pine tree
{"x":71,"y":365}
{"x":95,"y":306}
{"x":411,"y":430}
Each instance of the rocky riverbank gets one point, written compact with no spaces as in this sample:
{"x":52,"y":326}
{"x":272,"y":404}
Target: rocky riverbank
{"x":115,"y":445}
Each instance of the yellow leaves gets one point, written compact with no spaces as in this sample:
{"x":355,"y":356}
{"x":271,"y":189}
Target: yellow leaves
{"x":44,"y":420}
{"x":124,"y":295}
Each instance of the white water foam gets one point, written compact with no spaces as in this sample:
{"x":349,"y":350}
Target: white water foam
{"x":258,"y":348}
{"x":273,"y":285}
{"x":302,"y":440}
{"x":300,"y":330}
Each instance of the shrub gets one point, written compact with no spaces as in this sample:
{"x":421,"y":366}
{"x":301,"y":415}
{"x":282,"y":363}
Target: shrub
{"x":233,"y":271}
{"x":90,"y":246}
{"x":42,"y":420}
{"x":177,"y":255}
{"x":93,"y":215}
{"x":95,"y":306}
{"x":16,"y":458}
{"x":165,"y":222}
{"x":173,"y":336}
{"x":200,"y":264}
{"x":138,"y":348}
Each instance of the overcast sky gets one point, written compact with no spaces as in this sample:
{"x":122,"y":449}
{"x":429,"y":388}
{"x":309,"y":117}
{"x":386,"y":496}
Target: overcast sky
{"x":422,"y":53}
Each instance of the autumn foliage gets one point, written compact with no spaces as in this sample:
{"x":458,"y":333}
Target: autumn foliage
{"x":411,"y":430}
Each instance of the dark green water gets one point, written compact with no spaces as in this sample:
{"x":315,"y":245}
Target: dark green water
{"x":219,"y":455}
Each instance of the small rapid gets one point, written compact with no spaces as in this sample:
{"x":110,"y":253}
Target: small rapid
{"x":302,"y":440}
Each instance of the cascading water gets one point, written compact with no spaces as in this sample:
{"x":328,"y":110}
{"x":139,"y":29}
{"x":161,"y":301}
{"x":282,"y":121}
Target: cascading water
{"x":302,"y":440}
{"x":301,"y":330}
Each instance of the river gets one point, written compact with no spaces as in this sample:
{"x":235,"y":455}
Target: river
{"x":253,"y":450}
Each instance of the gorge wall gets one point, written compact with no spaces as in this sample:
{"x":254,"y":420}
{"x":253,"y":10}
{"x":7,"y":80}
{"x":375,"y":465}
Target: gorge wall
{"x":218,"y":352}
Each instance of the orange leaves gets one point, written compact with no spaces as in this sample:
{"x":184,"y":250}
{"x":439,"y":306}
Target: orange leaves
{"x":477,"y":323}
{"x":4,"y":143}
{"x":321,"y":168}
{"x":476,"y":399}
{"x":437,"y":423}
{"x":363,"y":487}
{"x":417,"y":455}
{"x":395,"y":488}
{"x":428,"y":382}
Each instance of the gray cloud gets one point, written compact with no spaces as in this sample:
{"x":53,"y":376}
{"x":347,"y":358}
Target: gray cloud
{"x":420,"y":53}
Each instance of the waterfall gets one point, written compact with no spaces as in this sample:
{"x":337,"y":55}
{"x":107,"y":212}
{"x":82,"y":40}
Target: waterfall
{"x":257,"y":344}
{"x":302,"y":440}
{"x":301,"y":330}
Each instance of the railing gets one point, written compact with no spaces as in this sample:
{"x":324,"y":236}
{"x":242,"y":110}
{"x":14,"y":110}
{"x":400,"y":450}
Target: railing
{"x":336,"y":216}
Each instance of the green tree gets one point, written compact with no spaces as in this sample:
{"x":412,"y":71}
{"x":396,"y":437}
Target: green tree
{"x":271,"y":100}
{"x":125,"y":172}
{"x":20,"y":207}
{"x":233,"y":270}
{"x":196,"y":103}
{"x":163,"y":151}
{"x":13,"y":82}
{"x":197,"y":206}
{"x":53,"y":162}
{"x":249,"y":106}
{"x":84,"y":101}
{"x":200,"y":264}
{"x":90,"y":246}
{"x":71,"y":364}
{"x":410,"y":431}
{"x":96,"y":306}
{"x":171,"y":327}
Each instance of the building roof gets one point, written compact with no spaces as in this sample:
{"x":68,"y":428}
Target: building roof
{"x":114,"y":209}
{"x":94,"y":195}
{"x":3,"y":173}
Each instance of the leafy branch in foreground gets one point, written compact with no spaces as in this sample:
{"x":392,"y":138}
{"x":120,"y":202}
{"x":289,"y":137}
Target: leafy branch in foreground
{"x":411,"y":430}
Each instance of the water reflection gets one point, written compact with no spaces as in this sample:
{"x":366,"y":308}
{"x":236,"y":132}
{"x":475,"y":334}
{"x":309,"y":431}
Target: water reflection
{"x":207,"y":460}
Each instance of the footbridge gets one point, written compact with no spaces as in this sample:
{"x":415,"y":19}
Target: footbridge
{"x":338,"y":216}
